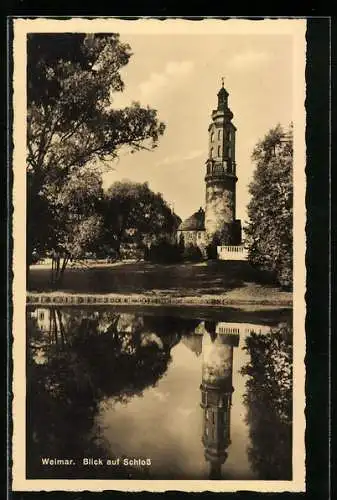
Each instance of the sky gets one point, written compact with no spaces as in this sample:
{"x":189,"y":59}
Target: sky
{"x":180,"y":75}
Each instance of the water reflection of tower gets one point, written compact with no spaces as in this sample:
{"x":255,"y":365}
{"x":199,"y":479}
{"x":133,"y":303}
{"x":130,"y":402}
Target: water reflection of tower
{"x":216,"y":394}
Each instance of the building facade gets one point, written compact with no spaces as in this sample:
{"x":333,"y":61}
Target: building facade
{"x":217,"y":224}
{"x":191,"y":232}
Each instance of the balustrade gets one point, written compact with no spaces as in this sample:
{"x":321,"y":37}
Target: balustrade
{"x":232,"y":252}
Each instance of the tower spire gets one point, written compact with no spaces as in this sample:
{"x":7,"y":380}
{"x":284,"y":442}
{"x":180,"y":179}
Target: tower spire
{"x":222,"y":96}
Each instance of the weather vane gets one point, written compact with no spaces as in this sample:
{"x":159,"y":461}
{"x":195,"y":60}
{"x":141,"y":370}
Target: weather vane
{"x":222,"y":80}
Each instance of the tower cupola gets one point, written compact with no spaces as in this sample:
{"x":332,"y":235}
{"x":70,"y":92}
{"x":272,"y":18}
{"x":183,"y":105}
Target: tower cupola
{"x":222,"y":97}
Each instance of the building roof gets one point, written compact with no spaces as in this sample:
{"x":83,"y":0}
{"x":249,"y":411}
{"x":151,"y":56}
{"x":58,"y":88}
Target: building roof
{"x":194,"y":223}
{"x":223,"y":91}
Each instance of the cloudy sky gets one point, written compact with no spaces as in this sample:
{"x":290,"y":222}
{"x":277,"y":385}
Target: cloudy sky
{"x":180,"y":75}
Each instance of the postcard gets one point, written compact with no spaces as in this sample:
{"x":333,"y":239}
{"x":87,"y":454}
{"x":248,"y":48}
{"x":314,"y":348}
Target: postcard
{"x":158,"y":254}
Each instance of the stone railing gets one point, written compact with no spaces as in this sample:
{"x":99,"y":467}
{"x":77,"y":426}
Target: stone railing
{"x":232,"y":252}
{"x":240,"y":328}
{"x":63,"y":299}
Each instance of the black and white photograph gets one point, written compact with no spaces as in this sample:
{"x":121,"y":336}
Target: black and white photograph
{"x":159,"y":244}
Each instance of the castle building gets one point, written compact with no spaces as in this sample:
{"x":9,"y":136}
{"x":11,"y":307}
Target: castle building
{"x":217,"y":224}
{"x":216,"y":396}
{"x":192,"y":230}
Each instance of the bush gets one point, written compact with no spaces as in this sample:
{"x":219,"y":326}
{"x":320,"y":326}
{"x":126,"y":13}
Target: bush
{"x":163,"y":252}
{"x":193,"y":253}
{"x":211,"y":251}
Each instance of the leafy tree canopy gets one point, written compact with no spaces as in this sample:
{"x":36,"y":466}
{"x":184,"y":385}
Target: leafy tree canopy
{"x":134,"y":212}
{"x":70,"y":120}
{"x":270,"y":210}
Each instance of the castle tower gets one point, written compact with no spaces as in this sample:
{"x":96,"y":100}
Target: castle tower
{"x":216,"y":396}
{"x":220,"y":223}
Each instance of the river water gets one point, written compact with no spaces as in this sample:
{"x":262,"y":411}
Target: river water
{"x":159,"y":393}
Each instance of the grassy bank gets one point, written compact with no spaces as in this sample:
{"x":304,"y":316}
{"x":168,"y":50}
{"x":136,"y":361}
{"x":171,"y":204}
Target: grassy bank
{"x":238,"y":281}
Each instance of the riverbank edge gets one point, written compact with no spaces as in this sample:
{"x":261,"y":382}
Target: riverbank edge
{"x":65,"y":299}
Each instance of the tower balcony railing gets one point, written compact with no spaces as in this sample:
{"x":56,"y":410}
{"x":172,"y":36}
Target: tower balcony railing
{"x":220,"y":169}
{"x":214,"y":169}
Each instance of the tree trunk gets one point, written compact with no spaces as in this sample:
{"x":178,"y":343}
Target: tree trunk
{"x":27,"y":276}
{"x":58,"y":269}
{"x":63,"y":268}
{"x":52,"y":271}
{"x":53,"y":326}
{"x":61,"y":327}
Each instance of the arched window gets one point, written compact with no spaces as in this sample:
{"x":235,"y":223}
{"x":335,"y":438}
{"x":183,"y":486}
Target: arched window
{"x":212,"y":152}
{"x":219,"y":150}
{"x":219,"y":134}
{"x":212,"y":136}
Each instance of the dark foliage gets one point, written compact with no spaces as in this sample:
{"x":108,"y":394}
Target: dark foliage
{"x":164,"y":252}
{"x":192,"y":253}
{"x":269,"y":402}
{"x":72,"y":367}
{"x":73,"y":131}
{"x":269,"y":234}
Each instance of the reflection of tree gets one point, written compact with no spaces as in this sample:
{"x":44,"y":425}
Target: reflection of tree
{"x":269,"y":402}
{"x":81,"y":359}
{"x":171,"y":328}
{"x":122,"y":363}
{"x":60,"y":405}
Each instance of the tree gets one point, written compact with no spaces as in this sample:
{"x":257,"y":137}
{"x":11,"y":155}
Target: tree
{"x":269,"y":234}
{"x":71,"y":123}
{"x":77,"y":222}
{"x":268,"y":399}
{"x":133,"y":212}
